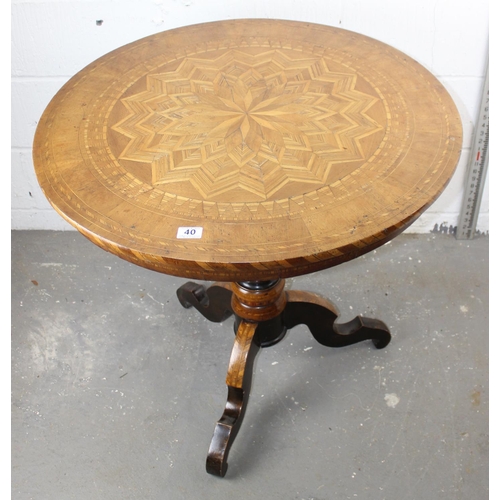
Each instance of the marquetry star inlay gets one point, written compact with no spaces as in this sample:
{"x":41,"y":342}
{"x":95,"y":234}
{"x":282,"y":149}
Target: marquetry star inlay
{"x":259,"y":124}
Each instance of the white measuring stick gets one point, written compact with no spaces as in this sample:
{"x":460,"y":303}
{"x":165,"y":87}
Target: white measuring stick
{"x":476,"y":170}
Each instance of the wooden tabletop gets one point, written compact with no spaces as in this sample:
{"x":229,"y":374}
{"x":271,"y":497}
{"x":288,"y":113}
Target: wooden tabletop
{"x":247,"y":149}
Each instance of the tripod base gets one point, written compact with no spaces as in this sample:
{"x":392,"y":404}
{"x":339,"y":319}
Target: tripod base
{"x":263,"y":314}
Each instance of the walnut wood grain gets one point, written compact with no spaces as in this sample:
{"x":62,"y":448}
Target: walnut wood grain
{"x":238,"y":380}
{"x":295,"y":146}
{"x":269,"y":312}
{"x":320,"y":316}
{"x":213,"y":303}
{"x":259,"y":304}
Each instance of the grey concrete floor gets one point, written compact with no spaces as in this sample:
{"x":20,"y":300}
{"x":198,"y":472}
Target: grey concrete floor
{"x":116,"y":388}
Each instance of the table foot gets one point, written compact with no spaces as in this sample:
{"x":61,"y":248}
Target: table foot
{"x":214,"y":302}
{"x":319,"y":315}
{"x":238,"y":380}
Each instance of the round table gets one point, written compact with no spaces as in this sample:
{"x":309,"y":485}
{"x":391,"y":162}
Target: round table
{"x":246,"y":152}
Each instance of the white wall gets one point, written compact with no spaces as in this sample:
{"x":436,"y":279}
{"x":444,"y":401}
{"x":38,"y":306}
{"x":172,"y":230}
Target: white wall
{"x":53,"y":39}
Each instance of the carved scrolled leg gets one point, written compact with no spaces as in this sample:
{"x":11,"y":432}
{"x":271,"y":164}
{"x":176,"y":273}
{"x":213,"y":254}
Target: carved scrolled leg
{"x":238,"y":380}
{"x":264,"y":312}
{"x":319,"y":316}
{"x":214,"y":303}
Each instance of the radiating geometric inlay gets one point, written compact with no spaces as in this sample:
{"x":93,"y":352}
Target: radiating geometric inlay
{"x":262,"y":124}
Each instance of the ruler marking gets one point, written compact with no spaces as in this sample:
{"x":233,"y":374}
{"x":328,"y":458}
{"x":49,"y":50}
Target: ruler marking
{"x":476,"y":170}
